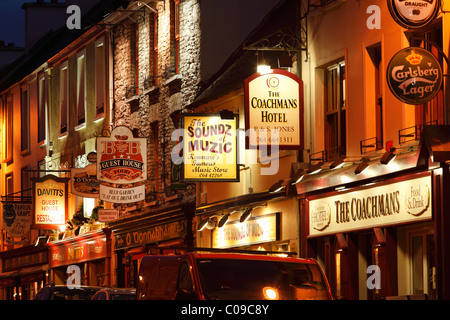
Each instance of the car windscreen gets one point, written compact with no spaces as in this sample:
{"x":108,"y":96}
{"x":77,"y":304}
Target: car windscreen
{"x":72,"y":294}
{"x":260,"y":279}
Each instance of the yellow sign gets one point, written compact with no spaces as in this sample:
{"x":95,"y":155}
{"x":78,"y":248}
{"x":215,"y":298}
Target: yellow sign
{"x":50,"y":202}
{"x":210,"y":148}
{"x":255,"y":230}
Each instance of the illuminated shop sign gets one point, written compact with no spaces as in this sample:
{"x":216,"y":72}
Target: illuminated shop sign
{"x":255,"y":230}
{"x":121,"y":157}
{"x":122,"y":195}
{"x":84,"y":181}
{"x":274,"y":109}
{"x":49,"y":202}
{"x":413,"y":13}
{"x":388,"y":204}
{"x":414,"y":75}
{"x":78,"y":251}
{"x":210,"y":148}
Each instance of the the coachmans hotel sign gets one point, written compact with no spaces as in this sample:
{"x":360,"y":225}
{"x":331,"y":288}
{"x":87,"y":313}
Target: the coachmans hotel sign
{"x":384,"y":205}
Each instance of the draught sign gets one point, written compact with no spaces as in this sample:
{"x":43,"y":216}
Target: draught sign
{"x":274,"y":109}
{"x":122,"y":158}
{"x":414,"y":75}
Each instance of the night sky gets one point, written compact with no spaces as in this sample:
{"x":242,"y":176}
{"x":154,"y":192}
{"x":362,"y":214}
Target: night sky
{"x":12,"y":22}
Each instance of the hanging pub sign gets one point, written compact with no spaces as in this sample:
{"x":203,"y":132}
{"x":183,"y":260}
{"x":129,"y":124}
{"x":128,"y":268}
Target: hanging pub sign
{"x":210,"y":148}
{"x":122,"y":195}
{"x":414,"y":75}
{"x":413,"y":14}
{"x":274,"y":110}
{"x":17,"y":218}
{"x":121,"y":157}
{"x":84,"y":181}
{"x":49,"y":202}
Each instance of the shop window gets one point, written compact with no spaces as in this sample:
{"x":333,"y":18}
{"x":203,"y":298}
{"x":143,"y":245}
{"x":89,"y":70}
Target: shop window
{"x":335,"y":108}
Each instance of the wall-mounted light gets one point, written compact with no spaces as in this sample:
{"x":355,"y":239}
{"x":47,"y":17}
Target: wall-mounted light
{"x":263,"y":65}
{"x":338,"y":163}
{"x":206,"y":223}
{"x":362,"y":166}
{"x":315,"y":168}
{"x":246,"y":215}
{"x":276,"y":186}
{"x":297,"y":176}
{"x":223,"y":221}
{"x":388,"y":157}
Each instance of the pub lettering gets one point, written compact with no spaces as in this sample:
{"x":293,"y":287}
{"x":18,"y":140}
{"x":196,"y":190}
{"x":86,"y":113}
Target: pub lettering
{"x":274,"y":102}
{"x":367,"y":208}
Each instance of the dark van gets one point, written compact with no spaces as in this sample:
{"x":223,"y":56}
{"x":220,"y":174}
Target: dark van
{"x":230,"y":276}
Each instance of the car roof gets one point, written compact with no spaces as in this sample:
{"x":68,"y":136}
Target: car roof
{"x":120,"y":290}
{"x":243,"y":256}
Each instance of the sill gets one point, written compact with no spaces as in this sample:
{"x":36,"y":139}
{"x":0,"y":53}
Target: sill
{"x":151,"y":90}
{"x":80,"y":126}
{"x":99,"y":118}
{"x":25,"y":152}
{"x":42,"y":144}
{"x":132,"y":98}
{"x":173,"y":78}
{"x":63,"y":135}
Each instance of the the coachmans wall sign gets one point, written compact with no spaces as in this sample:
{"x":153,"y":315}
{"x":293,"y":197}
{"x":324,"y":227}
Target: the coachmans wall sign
{"x":413,"y":13}
{"x":414,"y":75}
{"x":383,"y":205}
{"x":121,"y":157}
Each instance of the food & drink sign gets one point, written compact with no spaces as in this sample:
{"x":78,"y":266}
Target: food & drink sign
{"x":274,"y":109}
{"x":384,"y":205}
{"x":122,"y":159}
{"x":50,"y":202}
{"x":413,"y":13}
{"x":414,"y":75}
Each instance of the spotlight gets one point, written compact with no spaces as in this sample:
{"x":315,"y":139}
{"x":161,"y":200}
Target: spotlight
{"x":297,"y":176}
{"x":246,"y":215}
{"x":276,"y":187}
{"x":338,"y":163}
{"x":362,"y":166}
{"x":226,"y":115}
{"x":315,"y":168}
{"x":224,"y":220}
{"x":207,"y":223}
{"x":388,"y":157}
{"x":263,"y":65}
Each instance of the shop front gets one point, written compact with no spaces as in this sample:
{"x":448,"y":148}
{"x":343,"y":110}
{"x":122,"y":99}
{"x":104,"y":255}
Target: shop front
{"x":382,"y":235}
{"x":84,"y":259}
{"x":262,"y":221}
{"x":24,"y":272}
{"x":157,"y":232}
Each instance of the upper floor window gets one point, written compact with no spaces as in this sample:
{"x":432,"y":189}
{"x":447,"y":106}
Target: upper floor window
{"x":42,"y":108}
{"x":175,"y":36}
{"x":134,"y":41}
{"x":9,"y":130}
{"x":24,"y":120}
{"x":100,"y":77}
{"x":153,"y":48}
{"x":335,"y":106}
{"x":64,"y":97}
{"x":81,"y":88}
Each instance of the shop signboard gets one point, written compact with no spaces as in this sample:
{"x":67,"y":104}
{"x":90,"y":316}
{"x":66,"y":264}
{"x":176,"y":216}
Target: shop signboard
{"x":84,"y":181}
{"x":49,"y":202}
{"x":259,"y":229}
{"x":122,"y":159}
{"x":17,"y":218}
{"x":210,"y":148}
{"x":415,"y":13}
{"x":274,"y":110}
{"x":122,"y":195}
{"x":414,"y":75}
{"x":384,"y":205}
{"x":108,"y":215}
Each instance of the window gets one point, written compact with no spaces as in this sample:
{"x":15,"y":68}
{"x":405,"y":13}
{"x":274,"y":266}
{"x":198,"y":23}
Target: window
{"x":100,"y":77}
{"x":374,"y":92}
{"x":174,"y":35}
{"x":26,"y":183}
{"x":154,"y":127}
{"x":9,"y":130}
{"x":134,"y":90}
{"x":9,"y":184}
{"x":335,"y":104}
{"x":63,"y":98}
{"x":432,"y":111}
{"x":81,"y":89}
{"x":42,"y":109}
{"x":24,"y":120}
{"x":154,"y":46}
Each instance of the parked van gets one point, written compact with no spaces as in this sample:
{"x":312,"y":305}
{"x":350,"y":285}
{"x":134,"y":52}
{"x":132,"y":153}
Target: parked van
{"x":230,"y":276}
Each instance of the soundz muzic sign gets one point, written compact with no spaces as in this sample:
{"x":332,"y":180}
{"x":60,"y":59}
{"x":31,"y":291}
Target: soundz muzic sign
{"x":414,"y":75}
{"x":384,"y":205}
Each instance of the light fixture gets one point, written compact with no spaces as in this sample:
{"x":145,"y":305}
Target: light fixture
{"x":297,"y":176}
{"x":276,"y":186}
{"x":207,"y":223}
{"x":223,"y":221}
{"x":315,"y":168}
{"x":388,"y":157}
{"x":285,"y":60}
{"x":362,"y":166}
{"x":263,"y":65}
{"x":226,"y":115}
{"x":246,"y":215}
{"x":338,"y":163}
